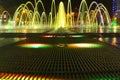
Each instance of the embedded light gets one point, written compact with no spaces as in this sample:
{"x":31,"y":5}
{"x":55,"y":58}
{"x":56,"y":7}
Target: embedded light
{"x":34,"y":45}
{"x":85,"y":45}
{"x":61,"y":45}
{"x":9,"y":76}
{"x":48,"y":36}
{"x":77,"y":36}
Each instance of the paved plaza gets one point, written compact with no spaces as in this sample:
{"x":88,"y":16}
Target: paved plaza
{"x":59,"y":58}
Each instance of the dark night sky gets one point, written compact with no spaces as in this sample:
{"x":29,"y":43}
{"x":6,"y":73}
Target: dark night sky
{"x":11,"y":5}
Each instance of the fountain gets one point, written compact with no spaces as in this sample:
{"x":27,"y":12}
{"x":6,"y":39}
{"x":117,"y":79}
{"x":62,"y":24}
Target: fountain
{"x":61,"y":16}
{"x":29,"y":17}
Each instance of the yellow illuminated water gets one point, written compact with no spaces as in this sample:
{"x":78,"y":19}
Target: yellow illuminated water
{"x":114,"y":41}
{"x":61,"y":16}
{"x":29,"y":16}
{"x":34,"y":45}
{"x":84,"y":45}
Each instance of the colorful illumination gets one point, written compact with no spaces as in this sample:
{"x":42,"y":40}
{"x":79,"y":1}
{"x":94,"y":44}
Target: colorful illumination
{"x":47,"y":36}
{"x":106,"y":79}
{"x":114,"y":41}
{"x":27,"y":17}
{"x":114,"y":22}
{"x":61,"y":45}
{"x":85,"y":45}
{"x":77,"y":36}
{"x":35,"y":45}
{"x":114,"y":25}
{"x":9,"y":76}
{"x":100,"y":39}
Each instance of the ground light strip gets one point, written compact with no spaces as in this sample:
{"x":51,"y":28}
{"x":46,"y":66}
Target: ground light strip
{"x":77,"y":36}
{"x":72,"y":45}
{"x":84,"y":45}
{"x":9,"y":76}
{"x":34,"y":45}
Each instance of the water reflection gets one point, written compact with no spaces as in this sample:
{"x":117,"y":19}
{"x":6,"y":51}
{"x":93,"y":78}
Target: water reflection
{"x":23,"y":30}
{"x":115,"y":41}
{"x":100,"y":39}
{"x":100,"y":29}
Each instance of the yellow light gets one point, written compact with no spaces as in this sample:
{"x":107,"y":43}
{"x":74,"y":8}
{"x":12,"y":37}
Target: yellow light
{"x":11,"y":77}
{"x":15,"y":77}
{"x":34,"y":45}
{"x":115,"y":18}
{"x":19,"y":77}
{"x":100,"y":39}
{"x":73,"y":13}
{"x":84,"y":45}
{"x":114,"y":41}
{"x":61,"y":16}
{"x":43,"y":79}
{"x":31,"y":78}
{"x":115,"y":29}
{"x":23,"y":78}
{"x":7,"y":76}
{"x":27,"y":78}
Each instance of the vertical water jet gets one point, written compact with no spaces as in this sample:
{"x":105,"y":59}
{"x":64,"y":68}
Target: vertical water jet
{"x":61,"y":17}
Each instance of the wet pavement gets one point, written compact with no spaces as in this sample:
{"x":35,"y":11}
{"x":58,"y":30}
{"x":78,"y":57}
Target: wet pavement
{"x":59,"y":58}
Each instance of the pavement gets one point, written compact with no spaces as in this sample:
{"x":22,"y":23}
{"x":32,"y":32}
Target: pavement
{"x":60,"y":58}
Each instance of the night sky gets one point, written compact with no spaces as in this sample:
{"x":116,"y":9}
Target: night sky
{"x":11,"y":5}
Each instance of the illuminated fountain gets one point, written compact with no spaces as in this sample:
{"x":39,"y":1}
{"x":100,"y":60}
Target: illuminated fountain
{"x":6,"y":20}
{"x":61,"y":16}
{"x":93,"y":18}
{"x":29,"y":16}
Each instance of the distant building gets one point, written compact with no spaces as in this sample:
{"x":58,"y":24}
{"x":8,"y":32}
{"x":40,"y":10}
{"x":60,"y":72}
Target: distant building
{"x":116,"y":8}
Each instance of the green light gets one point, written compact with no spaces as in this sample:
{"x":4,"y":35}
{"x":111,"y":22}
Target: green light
{"x":85,"y":45}
{"x":114,"y":22}
{"x":77,"y":36}
{"x":106,"y":79}
{"x":35,"y":45}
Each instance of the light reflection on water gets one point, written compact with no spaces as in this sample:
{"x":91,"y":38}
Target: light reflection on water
{"x":115,"y":41}
{"x":74,"y":29}
{"x":23,"y":30}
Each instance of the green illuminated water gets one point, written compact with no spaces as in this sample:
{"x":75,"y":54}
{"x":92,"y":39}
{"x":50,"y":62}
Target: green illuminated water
{"x":29,"y":16}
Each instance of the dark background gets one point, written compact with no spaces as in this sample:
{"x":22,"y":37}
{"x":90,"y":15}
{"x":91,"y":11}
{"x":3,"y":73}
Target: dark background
{"x":11,"y":5}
